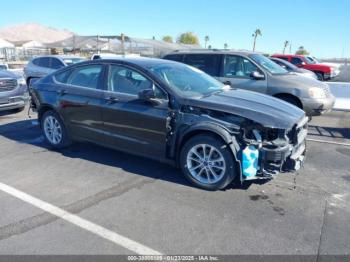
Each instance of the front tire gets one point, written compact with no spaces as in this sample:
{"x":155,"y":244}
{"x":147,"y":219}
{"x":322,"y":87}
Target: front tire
{"x":207,"y":162}
{"x":54,"y":130}
{"x":320,"y":76}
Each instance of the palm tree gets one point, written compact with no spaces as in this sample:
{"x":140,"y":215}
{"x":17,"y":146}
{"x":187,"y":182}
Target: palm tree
{"x":225,"y":46}
{"x":286,"y":43}
{"x":206,"y":40}
{"x":255,"y":35}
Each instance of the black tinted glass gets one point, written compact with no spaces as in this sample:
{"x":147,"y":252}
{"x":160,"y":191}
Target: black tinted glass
{"x":208,"y":63}
{"x":87,"y":76}
{"x":128,"y":81}
{"x":56,"y":64}
{"x":296,"y":61}
{"x":44,"y":62}
{"x":177,"y":58}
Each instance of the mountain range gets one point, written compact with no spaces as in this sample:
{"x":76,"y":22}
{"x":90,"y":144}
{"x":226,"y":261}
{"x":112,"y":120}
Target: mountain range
{"x":34,"y":31}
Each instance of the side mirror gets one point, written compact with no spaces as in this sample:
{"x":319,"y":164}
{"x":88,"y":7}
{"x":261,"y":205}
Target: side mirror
{"x":257,"y":75}
{"x":147,"y":95}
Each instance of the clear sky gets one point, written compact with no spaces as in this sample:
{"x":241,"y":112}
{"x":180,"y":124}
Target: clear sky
{"x":322,"y":26}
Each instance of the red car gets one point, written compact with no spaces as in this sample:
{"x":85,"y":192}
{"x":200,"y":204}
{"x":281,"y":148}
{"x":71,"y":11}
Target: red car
{"x":323,"y":72}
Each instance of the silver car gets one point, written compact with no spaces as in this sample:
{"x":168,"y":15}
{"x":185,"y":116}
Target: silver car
{"x":255,"y":72}
{"x":41,"y":66}
{"x":13,"y":91}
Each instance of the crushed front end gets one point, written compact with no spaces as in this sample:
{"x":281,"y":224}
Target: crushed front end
{"x":267,"y":151}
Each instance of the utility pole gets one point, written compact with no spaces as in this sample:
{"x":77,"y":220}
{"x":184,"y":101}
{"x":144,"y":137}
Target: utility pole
{"x":122,"y":37}
{"x":97,"y":47}
{"x":73,"y":43}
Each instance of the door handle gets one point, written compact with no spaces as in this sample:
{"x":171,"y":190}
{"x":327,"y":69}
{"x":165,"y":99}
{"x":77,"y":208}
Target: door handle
{"x":112,"y":100}
{"x":227,"y":83}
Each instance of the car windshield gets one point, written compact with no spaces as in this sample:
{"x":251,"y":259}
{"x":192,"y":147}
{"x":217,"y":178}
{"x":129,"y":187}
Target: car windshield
{"x":3,"y":67}
{"x":71,"y":61}
{"x":310,"y":60}
{"x":187,"y":80}
{"x":269,"y":65}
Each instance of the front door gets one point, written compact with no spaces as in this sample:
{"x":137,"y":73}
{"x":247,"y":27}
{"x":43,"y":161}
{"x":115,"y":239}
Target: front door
{"x":132,"y":124}
{"x":237,"y":73}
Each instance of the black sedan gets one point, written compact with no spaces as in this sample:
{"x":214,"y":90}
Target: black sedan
{"x":173,"y":113}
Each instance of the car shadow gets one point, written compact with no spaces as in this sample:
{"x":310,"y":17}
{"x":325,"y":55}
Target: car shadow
{"x":28,"y":132}
{"x":329,"y":132}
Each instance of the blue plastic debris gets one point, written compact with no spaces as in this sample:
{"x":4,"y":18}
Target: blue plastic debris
{"x":250,"y":158}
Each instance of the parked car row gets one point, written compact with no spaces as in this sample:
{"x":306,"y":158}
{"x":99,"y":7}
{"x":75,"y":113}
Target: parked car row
{"x":323,"y":71}
{"x":255,"y":72}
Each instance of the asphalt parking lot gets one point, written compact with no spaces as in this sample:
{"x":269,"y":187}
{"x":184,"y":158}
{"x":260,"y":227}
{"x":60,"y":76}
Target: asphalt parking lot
{"x":154,"y":206}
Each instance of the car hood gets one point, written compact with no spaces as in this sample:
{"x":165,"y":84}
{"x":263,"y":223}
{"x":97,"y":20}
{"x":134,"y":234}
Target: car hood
{"x":263,"y":109}
{"x":295,"y":81}
{"x":7,"y":74}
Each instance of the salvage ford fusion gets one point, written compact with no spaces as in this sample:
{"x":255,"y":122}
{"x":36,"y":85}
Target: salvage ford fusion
{"x":173,"y":113}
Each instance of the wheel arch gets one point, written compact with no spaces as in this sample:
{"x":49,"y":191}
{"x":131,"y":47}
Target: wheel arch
{"x":291,"y":96}
{"x":216,"y":131}
{"x":43,"y":109}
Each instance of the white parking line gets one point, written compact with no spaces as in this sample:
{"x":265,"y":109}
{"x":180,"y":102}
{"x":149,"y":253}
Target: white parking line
{"x":80,"y":222}
{"x":327,"y":142}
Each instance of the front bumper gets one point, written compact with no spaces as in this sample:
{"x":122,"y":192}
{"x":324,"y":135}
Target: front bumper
{"x":317,"y":107}
{"x":14,"y":102}
{"x":286,"y":156}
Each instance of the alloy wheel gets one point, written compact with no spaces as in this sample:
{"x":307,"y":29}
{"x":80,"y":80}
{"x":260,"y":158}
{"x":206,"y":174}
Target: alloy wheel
{"x":206,"y":164}
{"x":53,"y":130}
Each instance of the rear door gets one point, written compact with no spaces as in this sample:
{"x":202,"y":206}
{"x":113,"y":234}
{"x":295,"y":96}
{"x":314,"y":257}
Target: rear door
{"x":237,"y":73}
{"x":132,"y":124}
{"x":79,"y":96}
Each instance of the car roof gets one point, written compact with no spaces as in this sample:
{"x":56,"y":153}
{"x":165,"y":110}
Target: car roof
{"x":215,"y":51}
{"x":281,"y":55}
{"x":144,"y":62}
{"x":59,"y":56}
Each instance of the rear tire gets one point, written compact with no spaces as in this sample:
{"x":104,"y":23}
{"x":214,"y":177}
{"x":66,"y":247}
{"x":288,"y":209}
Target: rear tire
{"x":208,"y":163}
{"x":54,"y":131}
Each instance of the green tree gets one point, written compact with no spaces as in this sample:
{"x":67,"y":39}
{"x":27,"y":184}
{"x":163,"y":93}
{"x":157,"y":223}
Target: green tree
{"x":206,"y":40}
{"x":286,"y":43}
{"x":225,"y":46}
{"x":302,"y":51}
{"x":257,"y":33}
{"x":168,"y":39}
{"x":188,"y":38}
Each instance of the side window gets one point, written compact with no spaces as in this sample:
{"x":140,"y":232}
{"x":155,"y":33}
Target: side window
{"x":296,"y":61}
{"x":208,"y":63}
{"x":62,"y":76}
{"x":281,"y":64}
{"x":44,"y":62}
{"x":86,"y":76}
{"x":284,"y":58}
{"x":127,"y":81}
{"x":56,"y":63}
{"x":236,"y":66}
{"x":36,"y":61}
{"x":177,"y":58}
